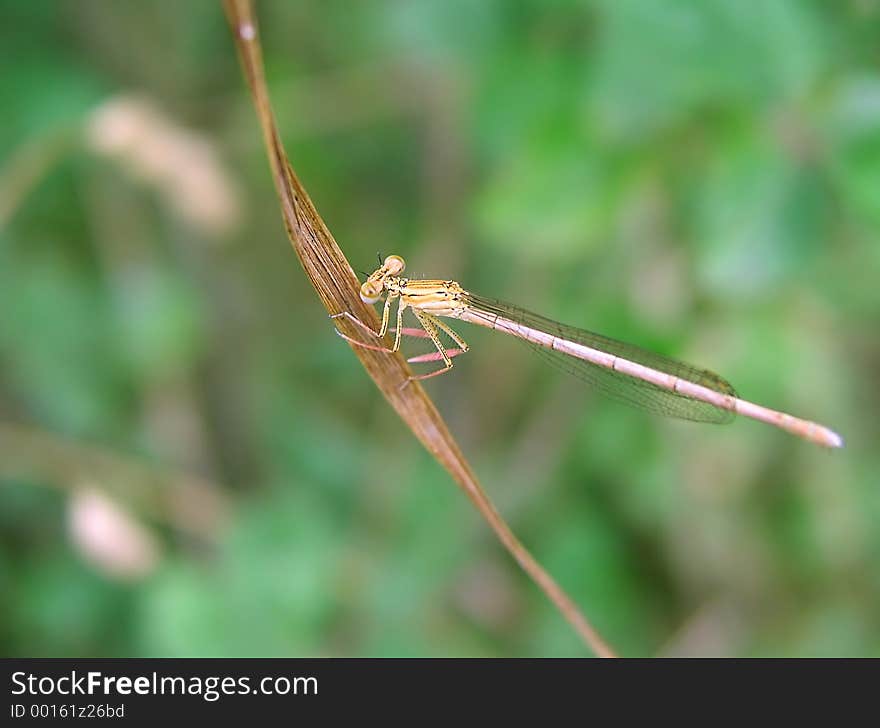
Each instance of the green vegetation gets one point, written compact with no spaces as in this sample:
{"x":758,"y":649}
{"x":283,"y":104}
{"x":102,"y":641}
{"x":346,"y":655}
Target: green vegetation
{"x":699,"y":178}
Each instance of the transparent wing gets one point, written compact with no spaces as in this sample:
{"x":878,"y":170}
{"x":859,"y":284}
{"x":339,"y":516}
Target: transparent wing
{"x":618,"y":386}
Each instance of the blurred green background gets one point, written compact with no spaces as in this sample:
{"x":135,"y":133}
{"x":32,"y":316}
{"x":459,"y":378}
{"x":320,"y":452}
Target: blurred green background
{"x":192,"y":463}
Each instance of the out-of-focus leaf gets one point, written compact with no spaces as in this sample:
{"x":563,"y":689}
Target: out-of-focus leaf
{"x":659,"y":62}
{"x":159,"y":323}
{"x":759,"y":215}
{"x":55,"y":341}
{"x":270,"y":593}
{"x":854,"y":136}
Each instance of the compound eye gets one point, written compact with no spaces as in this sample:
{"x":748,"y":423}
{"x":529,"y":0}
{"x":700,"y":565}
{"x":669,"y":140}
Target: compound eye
{"x":394,"y":264}
{"x":371,"y":292}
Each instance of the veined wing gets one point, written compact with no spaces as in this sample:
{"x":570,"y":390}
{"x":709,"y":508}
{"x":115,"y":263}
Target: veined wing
{"x":621,"y":387}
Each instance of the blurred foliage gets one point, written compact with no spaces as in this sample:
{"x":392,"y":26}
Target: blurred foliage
{"x":699,"y":177}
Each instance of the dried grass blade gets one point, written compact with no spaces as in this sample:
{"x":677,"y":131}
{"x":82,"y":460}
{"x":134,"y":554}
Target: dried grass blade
{"x":338,"y":286}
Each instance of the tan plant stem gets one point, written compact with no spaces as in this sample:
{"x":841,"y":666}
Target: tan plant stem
{"x":337,"y":286}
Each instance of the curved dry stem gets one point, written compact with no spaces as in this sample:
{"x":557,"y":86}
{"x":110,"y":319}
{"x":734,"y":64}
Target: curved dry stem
{"x":337,"y":286}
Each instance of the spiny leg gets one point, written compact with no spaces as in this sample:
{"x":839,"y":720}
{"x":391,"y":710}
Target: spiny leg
{"x":354,"y":341}
{"x":451,"y":334}
{"x":401,"y":306}
{"x":438,"y":355}
{"x":415,"y":333}
{"x":386,"y":310}
{"x":435,"y":356}
{"x":380,"y":334}
{"x":429,"y":322}
{"x":363,"y":345}
{"x":405,"y":331}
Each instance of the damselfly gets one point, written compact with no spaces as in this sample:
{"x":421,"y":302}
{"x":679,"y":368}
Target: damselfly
{"x":625,"y":372}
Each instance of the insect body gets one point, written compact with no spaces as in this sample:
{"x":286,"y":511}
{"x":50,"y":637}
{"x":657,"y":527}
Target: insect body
{"x":623,"y":371}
